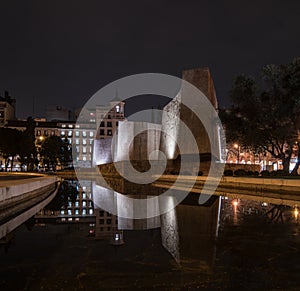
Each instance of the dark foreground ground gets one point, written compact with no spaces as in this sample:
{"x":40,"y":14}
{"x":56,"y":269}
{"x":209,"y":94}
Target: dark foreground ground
{"x":254,"y":256}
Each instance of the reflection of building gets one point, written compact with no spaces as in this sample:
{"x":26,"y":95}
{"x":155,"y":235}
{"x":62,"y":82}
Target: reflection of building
{"x":107,"y":227}
{"x":73,"y":206}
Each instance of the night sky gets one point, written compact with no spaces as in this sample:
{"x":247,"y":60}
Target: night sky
{"x":61,"y":52}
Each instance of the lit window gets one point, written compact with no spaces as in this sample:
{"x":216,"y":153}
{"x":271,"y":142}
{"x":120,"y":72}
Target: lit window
{"x":62,"y":133}
{"x":70,"y":126}
{"x":76,"y":203}
{"x":70,"y":133}
{"x":63,"y":125}
{"x":84,"y":203}
{"x":84,"y":133}
{"x":77,"y":149}
{"x":84,"y":150}
{"x":46,"y":132}
{"x":62,"y":212}
{"x":38,"y":132}
{"x":93,"y":120}
{"x":84,"y":158}
{"x":91,"y":141}
{"x":118,"y":108}
{"x":76,"y":141}
{"x":91,"y":211}
{"x":52,"y":132}
{"x":76,"y":211}
{"x":83,"y":196}
{"x":76,"y":133}
{"x":84,"y":141}
{"x":109,"y":132}
{"x":91,"y":134}
{"x":69,"y":212}
{"x":83,"y":211}
{"x":70,"y":140}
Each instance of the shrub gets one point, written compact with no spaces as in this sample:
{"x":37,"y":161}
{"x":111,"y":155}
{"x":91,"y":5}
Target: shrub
{"x":256,"y":173}
{"x":240,"y":173}
{"x":280,"y":173}
{"x":265,"y":173}
{"x":228,"y":173}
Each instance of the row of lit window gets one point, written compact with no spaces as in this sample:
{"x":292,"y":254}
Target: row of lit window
{"x":84,"y":133}
{"x":89,"y":211}
{"x":77,"y":133}
{"x":84,"y":141}
{"x":83,"y":204}
{"x":46,"y":132}
{"x":83,"y":158}
{"x":84,"y":149}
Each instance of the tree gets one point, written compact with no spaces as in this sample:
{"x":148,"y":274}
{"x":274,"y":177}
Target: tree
{"x":27,"y":151}
{"x":53,"y":151}
{"x":10,"y":144}
{"x":265,"y":114}
{"x":67,"y":152}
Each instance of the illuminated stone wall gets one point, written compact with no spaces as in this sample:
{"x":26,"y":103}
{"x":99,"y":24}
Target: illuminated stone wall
{"x":136,"y":140}
{"x":102,"y":151}
{"x":173,"y":112}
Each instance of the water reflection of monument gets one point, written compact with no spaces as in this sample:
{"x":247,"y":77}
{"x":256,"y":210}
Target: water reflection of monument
{"x":188,"y":232}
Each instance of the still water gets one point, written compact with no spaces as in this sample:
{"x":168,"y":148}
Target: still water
{"x":228,"y":244}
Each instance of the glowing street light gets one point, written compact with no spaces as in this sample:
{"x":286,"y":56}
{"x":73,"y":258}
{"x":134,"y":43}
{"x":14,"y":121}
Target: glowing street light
{"x":238,"y":147}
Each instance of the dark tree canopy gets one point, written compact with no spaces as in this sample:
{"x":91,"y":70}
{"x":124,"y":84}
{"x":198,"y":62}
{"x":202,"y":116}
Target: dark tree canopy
{"x":55,"y":151}
{"x":10,"y":144}
{"x":265,"y":114}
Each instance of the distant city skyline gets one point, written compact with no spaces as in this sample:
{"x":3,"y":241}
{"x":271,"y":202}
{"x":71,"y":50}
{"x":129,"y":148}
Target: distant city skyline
{"x":61,"y":53}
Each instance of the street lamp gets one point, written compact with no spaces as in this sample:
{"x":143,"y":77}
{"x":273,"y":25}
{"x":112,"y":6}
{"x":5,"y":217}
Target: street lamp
{"x":238,"y":147}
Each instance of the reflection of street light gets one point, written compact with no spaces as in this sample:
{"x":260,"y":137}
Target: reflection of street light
{"x":296,"y":213}
{"x":238,"y":147}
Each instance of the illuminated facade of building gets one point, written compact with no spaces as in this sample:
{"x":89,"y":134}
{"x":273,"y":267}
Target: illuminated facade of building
{"x":7,"y":109}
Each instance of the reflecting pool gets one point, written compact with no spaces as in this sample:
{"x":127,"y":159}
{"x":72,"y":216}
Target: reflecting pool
{"x":229,"y":244}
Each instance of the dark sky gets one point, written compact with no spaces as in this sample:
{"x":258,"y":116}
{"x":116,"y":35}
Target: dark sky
{"x":61,"y":52}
